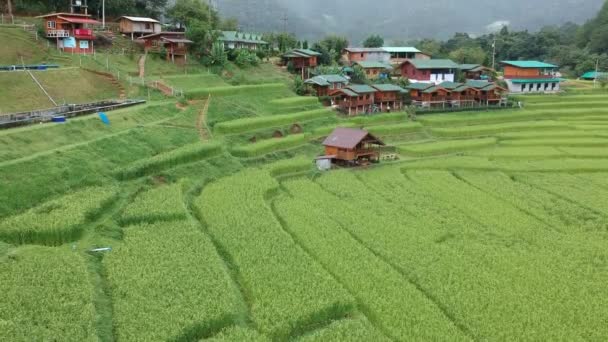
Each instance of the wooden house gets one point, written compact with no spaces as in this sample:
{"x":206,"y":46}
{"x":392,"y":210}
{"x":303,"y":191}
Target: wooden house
{"x":138,"y":26}
{"x":475,"y":71}
{"x":388,"y":97}
{"x":241,"y":40}
{"x":354,"y":99}
{"x":71,"y":32}
{"x":375,"y":70}
{"x":593,"y":75}
{"x":429,"y":95}
{"x":174,"y":44}
{"x":354,"y":55}
{"x":488,"y":93}
{"x":351,"y":146}
{"x":324,"y":85}
{"x":399,"y":54}
{"x":531,"y":77}
{"x":302,"y":60}
{"x":460,"y":94}
{"x":429,"y":70}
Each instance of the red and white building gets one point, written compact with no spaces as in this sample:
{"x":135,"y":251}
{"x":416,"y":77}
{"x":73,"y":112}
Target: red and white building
{"x":72,"y":32}
{"x":429,"y":70}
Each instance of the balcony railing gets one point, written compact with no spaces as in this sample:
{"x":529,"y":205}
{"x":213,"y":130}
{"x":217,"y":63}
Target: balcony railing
{"x":85,"y":33}
{"x":58,"y":33}
{"x":528,"y":77}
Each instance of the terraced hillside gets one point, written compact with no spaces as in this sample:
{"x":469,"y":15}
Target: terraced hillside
{"x":490,"y":226}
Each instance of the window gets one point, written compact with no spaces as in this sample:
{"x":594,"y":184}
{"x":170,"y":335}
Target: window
{"x":553,"y":86}
{"x":362,"y":55}
{"x":546,"y":85}
{"x":530,"y":86}
{"x":523,"y":87}
{"x":50,"y":24}
{"x":147,"y":26}
{"x":538,"y":87}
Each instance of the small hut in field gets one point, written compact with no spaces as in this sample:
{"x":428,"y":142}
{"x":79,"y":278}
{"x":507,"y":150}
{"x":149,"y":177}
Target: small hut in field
{"x":349,"y":146}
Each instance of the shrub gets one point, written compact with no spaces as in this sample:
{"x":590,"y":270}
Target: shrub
{"x":250,"y":124}
{"x":269,"y":145}
{"x":186,"y":154}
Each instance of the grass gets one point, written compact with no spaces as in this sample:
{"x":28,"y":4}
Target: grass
{"x":18,"y":44}
{"x":194,"y":81}
{"x":66,"y":86}
{"x":269,"y":145}
{"x":250,"y":124}
{"x":445,"y":147}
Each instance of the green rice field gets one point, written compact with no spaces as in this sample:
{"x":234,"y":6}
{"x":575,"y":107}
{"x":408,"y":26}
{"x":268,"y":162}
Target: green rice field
{"x":489,"y":226}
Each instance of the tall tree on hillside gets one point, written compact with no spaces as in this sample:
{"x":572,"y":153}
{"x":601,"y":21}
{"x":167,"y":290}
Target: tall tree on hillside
{"x":468,"y":55}
{"x":9,"y":7}
{"x":330,"y":49}
{"x":229,"y":24}
{"x":185,"y":12}
{"x":374,"y":41}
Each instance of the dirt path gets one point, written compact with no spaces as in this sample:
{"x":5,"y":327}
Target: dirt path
{"x":142,"y":65}
{"x":201,"y":121}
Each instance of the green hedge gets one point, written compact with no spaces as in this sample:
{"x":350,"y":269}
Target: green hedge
{"x":289,"y":166}
{"x":188,"y":153}
{"x":232,"y":90}
{"x":250,"y":124}
{"x":444,"y":147}
{"x":269,"y":145}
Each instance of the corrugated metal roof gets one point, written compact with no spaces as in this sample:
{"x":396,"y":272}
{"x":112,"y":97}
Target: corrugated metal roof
{"x":478,"y":83}
{"x":141,"y":19}
{"x":398,"y":49}
{"x":358,"y":50}
{"x":325,"y":80}
{"x":80,"y":20}
{"x":529,"y":64}
{"x":420,"y":85}
{"x":450,"y":85}
{"x":536,"y":80}
{"x":591,"y":75}
{"x":387,"y":87}
{"x":301,"y":53}
{"x":361,"y":88}
{"x":373,"y":65}
{"x":422,"y":64}
{"x":163,"y":34}
{"x":461,"y":88}
{"x":242,"y":37}
{"x":177,"y":40}
{"x":348,"y":138}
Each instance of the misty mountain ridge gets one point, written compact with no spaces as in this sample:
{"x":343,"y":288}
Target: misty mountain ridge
{"x":402,"y":19}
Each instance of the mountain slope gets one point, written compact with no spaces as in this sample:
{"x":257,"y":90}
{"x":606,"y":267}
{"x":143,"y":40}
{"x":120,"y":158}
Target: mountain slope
{"x":403,"y":19}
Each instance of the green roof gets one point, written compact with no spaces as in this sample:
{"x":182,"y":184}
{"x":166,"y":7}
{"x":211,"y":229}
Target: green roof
{"x":430,"y":90}
{"x":326,"y":80}
{"x":301,"y":53}
{"x":461,"y":88}
{"x":530,"y":64}
{"x":478,"y":83}
{"x":591,"y":75}
{"x":420,"y":86}
{"x":361,"y":88}
{"x":388,"y":87}
{"x":398,"y":49}
{"x":536,"y":80}
{"x":471,"y":67}
{"x":422,"y":64}
{"x":450,"y":85}
{"x":241,"y":37}
{"x":373,"y":65}
{"x":349,"y":92}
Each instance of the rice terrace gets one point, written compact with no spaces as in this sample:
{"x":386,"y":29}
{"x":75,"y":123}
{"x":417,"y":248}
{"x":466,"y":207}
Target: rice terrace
{"x":236,"y":207}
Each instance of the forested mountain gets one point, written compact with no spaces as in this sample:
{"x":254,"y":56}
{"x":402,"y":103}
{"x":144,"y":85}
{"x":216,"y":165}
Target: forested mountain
{"x":403,"y":19}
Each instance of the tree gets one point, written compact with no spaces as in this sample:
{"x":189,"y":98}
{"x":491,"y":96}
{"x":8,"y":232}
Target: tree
{"x":229,"y":24}
{"x":217,"y":57}
{"x":330,"y":49}
{"x":374,"y":41}
{"x":468,"y":55}
{"x":9,"y":7}
{"x":431,"y":47}
{"x":299,"y":86}
{"x":358,"y":75}
{"x":305,"y":44}
{"x":185,"y":12}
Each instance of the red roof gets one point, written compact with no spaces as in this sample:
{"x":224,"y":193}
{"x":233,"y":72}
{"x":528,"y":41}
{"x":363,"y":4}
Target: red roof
{"x":65,"y":15}
{"x":349,"y":138}
{"x":79,"y":20}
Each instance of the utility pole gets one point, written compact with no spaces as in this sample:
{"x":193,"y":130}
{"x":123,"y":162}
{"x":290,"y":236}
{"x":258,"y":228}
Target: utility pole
{"x":597,"y":67}
{"x":103,"y":14}
{"x":285,"y":20}
{"x":494,"y":54}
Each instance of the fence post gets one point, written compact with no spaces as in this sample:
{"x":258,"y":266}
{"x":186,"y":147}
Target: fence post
{"x":2,"y":17}
{"x":107,"y":62}
{"x":119,"y":75}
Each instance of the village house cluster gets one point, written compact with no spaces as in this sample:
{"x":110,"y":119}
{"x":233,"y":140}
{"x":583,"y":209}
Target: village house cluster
{"x":432,"y":82}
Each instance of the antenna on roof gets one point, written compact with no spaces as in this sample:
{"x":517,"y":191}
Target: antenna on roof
{"x":285,"y":20}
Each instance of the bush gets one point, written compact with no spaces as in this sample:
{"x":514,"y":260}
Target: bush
{"x":250,"y":124}
{"x":245,"y":58}
{"x":188,"y":153}
{"x":269,"y":145}
{"x":232,"y":90}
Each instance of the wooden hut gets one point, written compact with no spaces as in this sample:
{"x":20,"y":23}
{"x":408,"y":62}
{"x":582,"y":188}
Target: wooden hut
{"x":138,"y":26}
{"x":351,"y":146}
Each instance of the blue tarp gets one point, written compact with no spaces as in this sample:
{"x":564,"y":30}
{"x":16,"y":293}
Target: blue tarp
{"x":104,"y":118}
